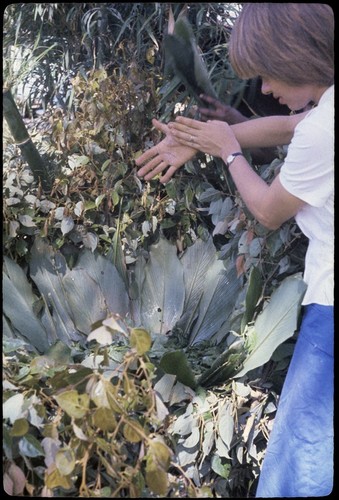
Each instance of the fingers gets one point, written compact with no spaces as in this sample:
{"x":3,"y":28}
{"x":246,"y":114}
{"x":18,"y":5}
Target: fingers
{"x":149,"y":166}
{"x":188,"y":122}
{"x":155,"y":171}
{"x":162,"y":127}
{"x":182,"y":134}
{"x":209,"y":99}
{"x":168,"y":175}
{"x":204,"y":113}
{"x":208,"y":114}
{"x":147,"y":155}
{"x":186,"y":135}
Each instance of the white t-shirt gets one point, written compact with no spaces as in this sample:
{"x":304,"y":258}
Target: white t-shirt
{"x":308,"y":173}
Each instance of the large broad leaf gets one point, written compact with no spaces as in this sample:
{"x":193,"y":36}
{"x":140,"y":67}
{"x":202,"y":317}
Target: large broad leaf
{"x":116,"y":256}
{"x":183,"y":55}
{"x":18,"y":300}
{"x":85,"y":299}
{"x":80,"y":297}
{"x":107,"y":278}
{"x":221,"y":289}
{"x":137,"y":278}
{"x":196,"y":261}
{"x":163,"y":293}
{"x":47,"y":268}
{"x":276,"y":323}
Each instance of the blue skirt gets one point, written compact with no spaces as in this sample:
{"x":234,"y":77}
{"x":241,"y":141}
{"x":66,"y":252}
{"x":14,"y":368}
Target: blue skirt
{"x":299,"y":455}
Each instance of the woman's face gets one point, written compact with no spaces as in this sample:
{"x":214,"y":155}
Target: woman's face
{"x":295,"y":97}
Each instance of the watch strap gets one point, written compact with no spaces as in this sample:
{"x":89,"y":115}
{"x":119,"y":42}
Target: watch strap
{"x":232,"y":157}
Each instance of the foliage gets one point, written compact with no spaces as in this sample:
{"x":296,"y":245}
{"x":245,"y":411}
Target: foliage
{"x":92,"y":428}
{"x":133,"y":312}
{"x":115,"y":389}
{"x":62,"y":39}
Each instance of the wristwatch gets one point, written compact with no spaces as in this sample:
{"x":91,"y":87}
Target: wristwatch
{"x":230,"y":159}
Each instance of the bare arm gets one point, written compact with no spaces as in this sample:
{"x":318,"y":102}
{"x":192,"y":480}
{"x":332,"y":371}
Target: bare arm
{"x":267,"y":131}
{"x":270,"y":204}
{"x":217,"y":110}
{"x":174,"y":151}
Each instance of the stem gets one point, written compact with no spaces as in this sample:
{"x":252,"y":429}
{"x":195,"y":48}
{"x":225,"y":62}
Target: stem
{"x":20,"y":135}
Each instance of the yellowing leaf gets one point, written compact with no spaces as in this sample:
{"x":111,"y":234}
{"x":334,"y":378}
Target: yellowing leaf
{"x":131,"y":432}
{"x":157,"y":481}
{"x":104,"y":419}
{"x":150,"y":55}
{"x":141,"y":340}
{"x":20,"y":427}
{"x":65,"y":461}
{"x":160,"y":453}
{"x":56,"y":480}
{"x":74,"y":404}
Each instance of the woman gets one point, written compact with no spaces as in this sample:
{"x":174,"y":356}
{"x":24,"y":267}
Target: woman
{"x":290,"y":46}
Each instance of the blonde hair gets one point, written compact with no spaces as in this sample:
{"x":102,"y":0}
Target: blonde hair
{"x":290,"y":42}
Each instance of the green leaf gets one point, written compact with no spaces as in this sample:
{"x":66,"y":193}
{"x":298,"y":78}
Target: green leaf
{"x":74,"y":404}
{"x":67,"y":225}
{"x":85,"y":299}
{"x":30,"y":446}
{"x":196,"y":261}
{"x":27,"y":221}
{"x":176,"y":363}
{"x":219,"y":468}
{"x":157,"y":462}
{"x":253,"y":294}
{"x":107,"y":277}
{"x":225,"y":366}
{"x":276,"y":323}
{"x":60,"y":353}
{"x":18,"y":301}
{"x":184,"y":57}
{"x":226,"y":424}
{"x":47,"y":269}
{"x":221,"y":289}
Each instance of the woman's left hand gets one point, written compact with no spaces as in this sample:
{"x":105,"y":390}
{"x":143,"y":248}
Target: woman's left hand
{"x":213,"y":137}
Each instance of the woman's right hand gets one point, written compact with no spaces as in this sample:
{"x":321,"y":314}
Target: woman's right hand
{"x":168,"y":154}
{"x":221,"y":111}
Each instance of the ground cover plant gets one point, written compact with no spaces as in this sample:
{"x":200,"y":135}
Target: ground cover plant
{"x":147,"y":328}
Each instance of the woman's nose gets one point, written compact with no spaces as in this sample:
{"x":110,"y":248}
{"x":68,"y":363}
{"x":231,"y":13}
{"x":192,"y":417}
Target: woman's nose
{"x":265,"y":88}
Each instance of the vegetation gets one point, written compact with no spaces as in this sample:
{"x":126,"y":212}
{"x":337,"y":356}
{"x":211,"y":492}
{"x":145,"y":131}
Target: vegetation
{"x":147,"y":328}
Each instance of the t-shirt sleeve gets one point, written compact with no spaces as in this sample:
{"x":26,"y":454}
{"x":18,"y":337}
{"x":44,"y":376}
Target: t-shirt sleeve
{"x":308,"y":172}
